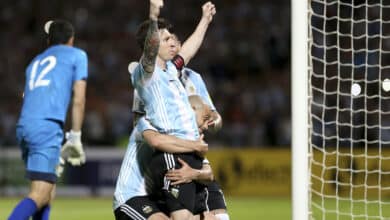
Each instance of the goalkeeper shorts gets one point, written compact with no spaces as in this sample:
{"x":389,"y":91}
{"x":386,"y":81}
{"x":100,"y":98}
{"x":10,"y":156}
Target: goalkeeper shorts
{"x":40,"y":142}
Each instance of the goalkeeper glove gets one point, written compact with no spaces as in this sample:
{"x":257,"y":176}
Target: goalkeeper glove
{"x":60,"y":167}
{"x":72,"y":150}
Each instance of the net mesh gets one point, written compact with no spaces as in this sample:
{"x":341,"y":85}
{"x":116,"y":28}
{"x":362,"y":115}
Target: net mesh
{"x":349,"y":102}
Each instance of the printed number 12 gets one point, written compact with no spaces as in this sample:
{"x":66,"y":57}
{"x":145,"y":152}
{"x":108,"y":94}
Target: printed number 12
{"x":40,"y":81}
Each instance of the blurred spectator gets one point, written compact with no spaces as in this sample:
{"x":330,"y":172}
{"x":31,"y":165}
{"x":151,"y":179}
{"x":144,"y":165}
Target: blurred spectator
{"x":244,"y":61}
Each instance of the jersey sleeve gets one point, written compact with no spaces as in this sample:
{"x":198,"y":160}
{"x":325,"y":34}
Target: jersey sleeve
{"x":143,"y":125}
{"x":81,"y":66}
{"x":138,"y":105}
{"x":204,"y":93}
{"x":139,"y":76}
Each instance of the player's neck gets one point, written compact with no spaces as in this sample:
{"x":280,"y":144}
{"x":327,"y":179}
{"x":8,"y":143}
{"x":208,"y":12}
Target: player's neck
{"x":161,"y":63}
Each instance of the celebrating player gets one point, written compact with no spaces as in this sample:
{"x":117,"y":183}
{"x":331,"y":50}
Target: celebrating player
{"x":166,"y":104}
{"x":133,"y":197}
{"x":51,"y":77}
{"x":194,"y":85}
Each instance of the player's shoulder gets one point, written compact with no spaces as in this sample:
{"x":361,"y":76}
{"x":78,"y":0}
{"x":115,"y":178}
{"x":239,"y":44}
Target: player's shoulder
{"x":66,"y":50}
{"x":79,"y":52}
{"x":191,"y":73}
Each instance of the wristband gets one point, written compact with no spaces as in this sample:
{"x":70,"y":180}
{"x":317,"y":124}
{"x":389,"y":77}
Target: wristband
{"x":178,"y":61}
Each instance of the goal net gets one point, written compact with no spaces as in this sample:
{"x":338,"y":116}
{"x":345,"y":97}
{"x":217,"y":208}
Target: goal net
{"x":349,"y":109}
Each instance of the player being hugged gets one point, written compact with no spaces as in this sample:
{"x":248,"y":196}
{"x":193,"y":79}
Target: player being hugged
{"x":166,"y":102}
{"x":51,"y":78}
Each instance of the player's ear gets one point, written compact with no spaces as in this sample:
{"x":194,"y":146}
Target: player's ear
{"x":70,"y":41}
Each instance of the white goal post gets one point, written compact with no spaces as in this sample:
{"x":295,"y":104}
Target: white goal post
{"x":299,"y":87}
{"x":341,"y":109}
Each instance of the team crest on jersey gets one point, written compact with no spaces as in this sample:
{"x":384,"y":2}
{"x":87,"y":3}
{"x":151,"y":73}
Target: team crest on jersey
{"x":175,"y":192}
{"x":147,"y":209}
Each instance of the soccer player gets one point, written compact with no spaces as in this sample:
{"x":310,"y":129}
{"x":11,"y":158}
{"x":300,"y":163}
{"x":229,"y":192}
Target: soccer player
{"x":51,"y":77}
{"x":133,"y":198}
{"x":166,"y":104}
{"x":194,"y":85}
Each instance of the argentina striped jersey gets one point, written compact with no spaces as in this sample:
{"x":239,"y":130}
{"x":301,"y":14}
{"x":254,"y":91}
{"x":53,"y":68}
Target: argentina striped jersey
{"x":165,"y":101}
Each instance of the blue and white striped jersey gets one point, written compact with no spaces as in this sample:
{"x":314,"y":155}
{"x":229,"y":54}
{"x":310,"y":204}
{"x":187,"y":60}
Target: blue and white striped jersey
{"x":166,"y":102}
{"x":131,"y":180}
{"x":193,"y":83}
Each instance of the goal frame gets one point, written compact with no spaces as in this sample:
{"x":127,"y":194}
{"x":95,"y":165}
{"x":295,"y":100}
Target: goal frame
{"x":299,"y":102}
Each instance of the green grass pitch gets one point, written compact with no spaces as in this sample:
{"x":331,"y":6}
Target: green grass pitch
{"x":100,"y":208}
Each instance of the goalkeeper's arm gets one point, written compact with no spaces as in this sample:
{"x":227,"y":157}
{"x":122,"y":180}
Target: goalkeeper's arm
{"x":72,"y":150}
{"x":78,"y":105}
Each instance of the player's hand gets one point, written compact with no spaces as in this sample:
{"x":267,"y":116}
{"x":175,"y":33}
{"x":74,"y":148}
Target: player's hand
{"x":201,"y":147}
{"x":208,"y":11}
{"x":155,"y":7}
{"x":73,"y":150}
{"x":60,"y":167}
{"x":183,"y":175}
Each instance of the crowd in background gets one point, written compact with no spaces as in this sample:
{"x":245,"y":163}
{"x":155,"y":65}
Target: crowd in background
{"x":244,"y":60}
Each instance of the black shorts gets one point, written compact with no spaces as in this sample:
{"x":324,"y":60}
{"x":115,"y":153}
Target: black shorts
{"x":201,"y":200}
{"x":140,"y":207}
{"x":215,"y":198}
{"x":176,"y":197}
{"x":200,"y":205}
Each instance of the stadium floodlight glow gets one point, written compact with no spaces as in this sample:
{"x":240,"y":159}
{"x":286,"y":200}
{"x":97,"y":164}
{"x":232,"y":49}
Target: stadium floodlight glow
{"x":348,"y":109}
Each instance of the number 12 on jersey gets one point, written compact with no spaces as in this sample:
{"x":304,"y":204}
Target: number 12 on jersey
{"x":40,"y":81}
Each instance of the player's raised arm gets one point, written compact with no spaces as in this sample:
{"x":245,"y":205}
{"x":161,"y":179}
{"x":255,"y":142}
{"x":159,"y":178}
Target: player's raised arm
{"x":192,"y":44}
{"x":152,"y":40}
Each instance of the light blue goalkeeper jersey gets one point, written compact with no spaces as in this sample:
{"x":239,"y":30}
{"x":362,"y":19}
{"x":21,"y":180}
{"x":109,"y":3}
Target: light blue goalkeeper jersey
{"x":166,"y":102}
{"x":49,"y":82}
{"x":131,"y":179}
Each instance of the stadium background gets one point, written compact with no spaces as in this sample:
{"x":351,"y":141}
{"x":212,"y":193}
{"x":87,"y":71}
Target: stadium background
{"x":244,"y":60}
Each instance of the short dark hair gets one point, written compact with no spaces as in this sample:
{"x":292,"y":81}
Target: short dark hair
{"x":143,"y":30}
{"x":60,"y":31}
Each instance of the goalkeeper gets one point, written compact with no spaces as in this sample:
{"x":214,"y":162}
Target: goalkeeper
{"x":51,"y":77}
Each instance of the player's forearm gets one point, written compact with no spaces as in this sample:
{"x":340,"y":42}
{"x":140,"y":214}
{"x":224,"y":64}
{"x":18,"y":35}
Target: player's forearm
{"x":168,"y":143}
{"x":152,"y":43}
{"x":78,"y":113}
{"x":78,"y":104}
{"x":204,"y":175}
{"x":193,"y":43}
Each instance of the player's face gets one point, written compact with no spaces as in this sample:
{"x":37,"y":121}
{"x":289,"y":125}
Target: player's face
{"x":177,"y":44}
{"x":202,"y":118}
{"x":167,"y":49}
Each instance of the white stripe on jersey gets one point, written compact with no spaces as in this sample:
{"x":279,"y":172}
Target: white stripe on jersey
{"x":131,"y":181}
{"x":183,"y":110}
{"x":161,"y":108}
{"x":166,"y":102}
